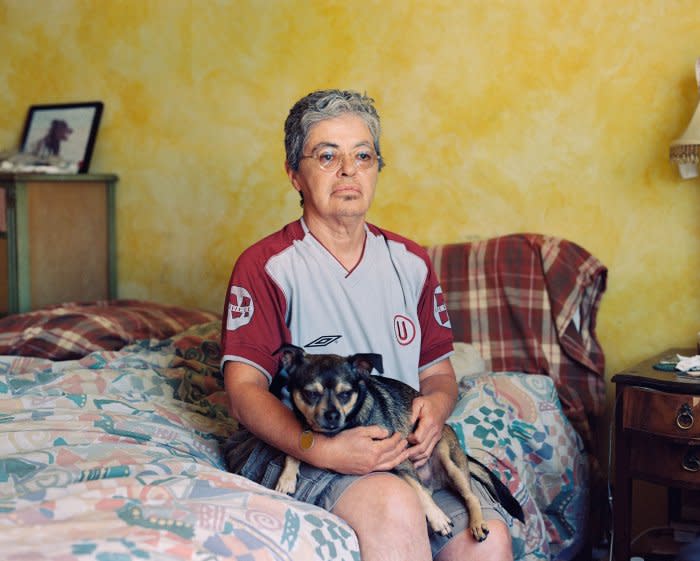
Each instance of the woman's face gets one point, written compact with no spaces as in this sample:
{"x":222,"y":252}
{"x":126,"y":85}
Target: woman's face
{"x":347,"y":191}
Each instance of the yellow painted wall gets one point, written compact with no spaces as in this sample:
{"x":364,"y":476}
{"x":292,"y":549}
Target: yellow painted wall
{"x":499,"y":117}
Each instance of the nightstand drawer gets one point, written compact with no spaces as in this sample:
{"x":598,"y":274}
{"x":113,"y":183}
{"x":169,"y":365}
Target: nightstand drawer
{"x":665,"y":462}
{"x":657,"y":439}
{"x":665,"y":414}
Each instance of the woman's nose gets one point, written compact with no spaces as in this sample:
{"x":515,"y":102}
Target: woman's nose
{"x":347,"y":165}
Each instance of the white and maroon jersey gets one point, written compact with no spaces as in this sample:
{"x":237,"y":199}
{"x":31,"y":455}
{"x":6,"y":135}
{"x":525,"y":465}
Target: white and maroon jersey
{"x":288,"y":288}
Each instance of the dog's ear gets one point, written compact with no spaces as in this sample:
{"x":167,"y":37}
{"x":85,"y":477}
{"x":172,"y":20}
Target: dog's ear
{"x":292,"y":356}
{"x":364,"y":362}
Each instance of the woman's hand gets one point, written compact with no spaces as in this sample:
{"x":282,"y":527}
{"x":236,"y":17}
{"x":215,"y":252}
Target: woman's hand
{"x":428,"y":431}
{"x":362,"y":450}
{"x":430,"y":410}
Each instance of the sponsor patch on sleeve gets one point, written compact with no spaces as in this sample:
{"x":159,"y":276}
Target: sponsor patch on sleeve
{"x":440,"y":308}
{"x":240,"y":308}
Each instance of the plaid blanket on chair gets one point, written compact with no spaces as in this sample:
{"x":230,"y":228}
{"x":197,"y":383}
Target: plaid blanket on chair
{"x":528,"y":303}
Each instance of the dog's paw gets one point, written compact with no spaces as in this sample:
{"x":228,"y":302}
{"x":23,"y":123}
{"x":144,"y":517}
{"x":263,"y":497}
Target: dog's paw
{"x":440,"y":522}
{"x":480,"y":531}
{"x":286,"y":485}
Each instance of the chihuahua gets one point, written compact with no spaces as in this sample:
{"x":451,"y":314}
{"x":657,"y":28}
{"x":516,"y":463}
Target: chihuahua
{"x":330,"y":393}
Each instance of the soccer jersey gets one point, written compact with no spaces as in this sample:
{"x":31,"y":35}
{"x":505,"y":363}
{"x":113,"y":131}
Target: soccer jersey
{"x":288,"y":288}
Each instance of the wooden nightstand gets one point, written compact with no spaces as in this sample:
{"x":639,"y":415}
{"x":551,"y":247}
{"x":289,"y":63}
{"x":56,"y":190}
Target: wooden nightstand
{"x":657,"y":436}
{"x":57,"y":241}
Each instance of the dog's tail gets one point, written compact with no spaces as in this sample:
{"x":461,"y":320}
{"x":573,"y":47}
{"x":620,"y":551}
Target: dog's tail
{"x":497,"y":489}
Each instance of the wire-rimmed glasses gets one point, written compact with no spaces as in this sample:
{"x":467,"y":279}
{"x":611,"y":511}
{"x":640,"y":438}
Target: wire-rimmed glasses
{"x":330,"y":158}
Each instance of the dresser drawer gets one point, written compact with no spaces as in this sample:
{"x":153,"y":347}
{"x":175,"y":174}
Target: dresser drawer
{"x":664,"y":462}
{"x":664,"y":414}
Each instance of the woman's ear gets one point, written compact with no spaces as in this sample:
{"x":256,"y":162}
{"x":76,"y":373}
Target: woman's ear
{"x":292,"y":176}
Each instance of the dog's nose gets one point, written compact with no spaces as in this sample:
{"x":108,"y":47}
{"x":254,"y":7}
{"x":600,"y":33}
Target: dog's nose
{"x":332,"y":415}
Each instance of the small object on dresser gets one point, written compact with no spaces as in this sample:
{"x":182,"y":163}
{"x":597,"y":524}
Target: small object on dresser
{"x":66,"y":130}
{"x":689,"y":365}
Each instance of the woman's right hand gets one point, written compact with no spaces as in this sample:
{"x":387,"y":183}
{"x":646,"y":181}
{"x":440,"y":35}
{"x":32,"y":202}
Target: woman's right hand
{"x":362,"y":450}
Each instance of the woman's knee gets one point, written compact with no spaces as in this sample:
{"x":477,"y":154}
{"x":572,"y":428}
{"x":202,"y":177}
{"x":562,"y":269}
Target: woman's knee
{"x":502,"y":541}
{"x":387,"y":517}
{"x":384,"y":496}
{"x":498,"y":545}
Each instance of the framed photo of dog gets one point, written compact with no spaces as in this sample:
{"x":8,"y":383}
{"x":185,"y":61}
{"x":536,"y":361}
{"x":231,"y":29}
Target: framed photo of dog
{"x":67,"y":131}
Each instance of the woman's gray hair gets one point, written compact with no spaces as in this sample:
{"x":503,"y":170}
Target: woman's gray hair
{"x":327,"y":104}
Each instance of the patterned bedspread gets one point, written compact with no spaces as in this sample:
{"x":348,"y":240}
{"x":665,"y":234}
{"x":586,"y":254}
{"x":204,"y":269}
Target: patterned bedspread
{"x":514,"y":423}
{"x":100,"y":460}
{"x":116,"y":456}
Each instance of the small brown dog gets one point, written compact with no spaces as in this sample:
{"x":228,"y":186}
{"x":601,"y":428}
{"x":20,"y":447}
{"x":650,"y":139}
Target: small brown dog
{"x":330,"y":393}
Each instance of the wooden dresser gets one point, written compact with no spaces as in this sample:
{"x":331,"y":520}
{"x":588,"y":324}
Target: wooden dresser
{"x":657,"y":436}
{"x":57,"y":239}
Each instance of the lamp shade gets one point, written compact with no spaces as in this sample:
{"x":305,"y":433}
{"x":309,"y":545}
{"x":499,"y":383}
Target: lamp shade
{"x":685,"y":150}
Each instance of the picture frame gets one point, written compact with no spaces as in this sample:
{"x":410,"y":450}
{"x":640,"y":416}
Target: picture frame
{"x":66,"y":130}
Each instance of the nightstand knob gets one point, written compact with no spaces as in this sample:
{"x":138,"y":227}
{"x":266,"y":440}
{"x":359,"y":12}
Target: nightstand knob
{"x":685,"y":419}
{"x":690,"y":461}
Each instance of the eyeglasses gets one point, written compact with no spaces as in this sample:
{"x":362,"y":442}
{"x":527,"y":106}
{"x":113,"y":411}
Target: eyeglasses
{"x":330,"y":159}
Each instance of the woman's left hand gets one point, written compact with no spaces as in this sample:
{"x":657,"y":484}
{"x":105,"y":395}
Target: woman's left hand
{"x":428,"y":431}
{"x":430,"y":410}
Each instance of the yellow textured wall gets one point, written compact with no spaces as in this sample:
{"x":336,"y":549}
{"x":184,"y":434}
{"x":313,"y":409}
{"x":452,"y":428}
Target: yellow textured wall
{"x":499,"y":117}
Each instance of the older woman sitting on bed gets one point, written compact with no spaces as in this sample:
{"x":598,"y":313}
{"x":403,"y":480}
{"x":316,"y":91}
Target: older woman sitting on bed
{"x":331,"y":282}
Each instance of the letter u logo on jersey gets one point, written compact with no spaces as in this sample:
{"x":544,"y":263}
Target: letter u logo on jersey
{"x":404,"y":330}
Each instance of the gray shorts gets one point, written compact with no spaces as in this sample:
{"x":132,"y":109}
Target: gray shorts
{"x":263,"y":464}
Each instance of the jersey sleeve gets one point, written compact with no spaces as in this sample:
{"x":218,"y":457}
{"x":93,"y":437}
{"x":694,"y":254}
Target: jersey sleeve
{"x":253,"y":325}
{"x":434,"y":320}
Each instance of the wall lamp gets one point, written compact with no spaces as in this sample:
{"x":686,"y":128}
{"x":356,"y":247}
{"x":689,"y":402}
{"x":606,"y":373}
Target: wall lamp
{"x":685,"y":151}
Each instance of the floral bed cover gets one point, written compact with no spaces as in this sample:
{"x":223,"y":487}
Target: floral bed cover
{"x":116,"y":457}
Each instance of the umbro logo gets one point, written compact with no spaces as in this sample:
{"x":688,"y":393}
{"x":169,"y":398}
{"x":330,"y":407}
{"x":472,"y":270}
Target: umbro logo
{"x":323,"y":341}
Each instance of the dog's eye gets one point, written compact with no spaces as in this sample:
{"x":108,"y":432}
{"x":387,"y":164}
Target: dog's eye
{"x":311,"y":396}
{"x":344,"y":397}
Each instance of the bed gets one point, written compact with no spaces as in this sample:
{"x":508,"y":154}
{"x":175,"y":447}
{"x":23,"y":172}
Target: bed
{"x":112,"y":416}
